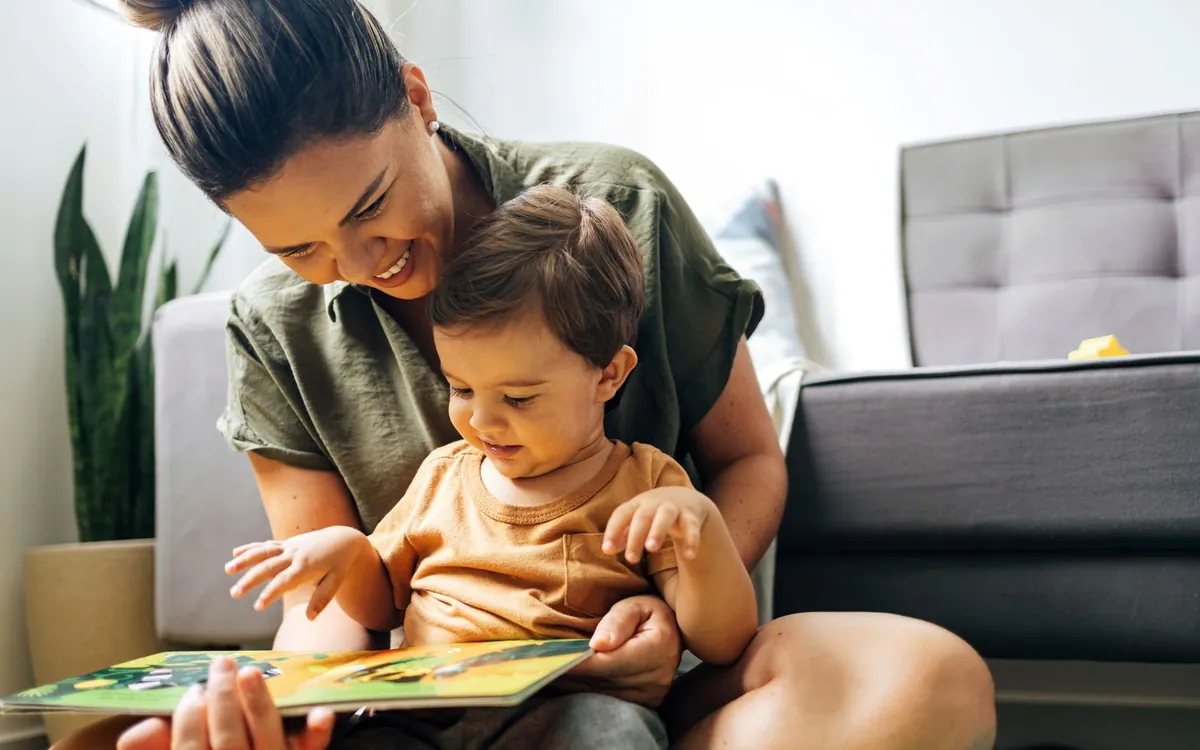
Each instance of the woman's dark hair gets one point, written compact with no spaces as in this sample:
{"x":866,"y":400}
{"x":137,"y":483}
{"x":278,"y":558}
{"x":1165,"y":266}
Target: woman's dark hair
{"x":238,"y":86}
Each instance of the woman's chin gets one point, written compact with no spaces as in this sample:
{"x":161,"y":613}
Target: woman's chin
{"x":413,"y":289}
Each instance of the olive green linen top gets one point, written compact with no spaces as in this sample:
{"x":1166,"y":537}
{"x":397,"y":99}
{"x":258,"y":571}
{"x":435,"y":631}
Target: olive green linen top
{"x":321,"y":377}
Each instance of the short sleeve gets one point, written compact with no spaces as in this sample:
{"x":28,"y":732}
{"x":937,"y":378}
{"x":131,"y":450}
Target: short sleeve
{"x":261,"y":408}
{"x":707,"y":307}
{"x":390,"y":537}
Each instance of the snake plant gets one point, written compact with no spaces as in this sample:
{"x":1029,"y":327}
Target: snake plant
{"x":109,"y":364}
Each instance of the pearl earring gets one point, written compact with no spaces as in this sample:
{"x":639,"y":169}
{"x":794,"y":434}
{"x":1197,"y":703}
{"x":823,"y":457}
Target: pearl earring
{"x":434,"y":126}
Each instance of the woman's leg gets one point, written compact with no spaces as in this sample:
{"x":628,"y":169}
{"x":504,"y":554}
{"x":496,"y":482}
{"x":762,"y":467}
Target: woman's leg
{"x":584,"y":721}
{"x":847,"y":680}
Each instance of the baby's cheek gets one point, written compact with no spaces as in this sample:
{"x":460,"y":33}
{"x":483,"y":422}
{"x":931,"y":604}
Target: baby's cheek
{"x":460,"y":416}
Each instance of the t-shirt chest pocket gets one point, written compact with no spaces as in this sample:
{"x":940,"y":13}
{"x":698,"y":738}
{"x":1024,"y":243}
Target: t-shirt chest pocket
{"x":595,"y":580}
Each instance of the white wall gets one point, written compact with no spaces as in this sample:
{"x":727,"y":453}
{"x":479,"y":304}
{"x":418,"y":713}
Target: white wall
{"x":68,"y":73}
{"x":816,"y":93}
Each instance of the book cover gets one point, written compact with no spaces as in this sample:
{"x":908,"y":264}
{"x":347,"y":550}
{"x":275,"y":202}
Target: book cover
{"x":497,"y":673}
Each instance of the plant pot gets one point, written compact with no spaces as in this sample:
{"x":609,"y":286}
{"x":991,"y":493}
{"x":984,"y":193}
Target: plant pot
{"x":88,"y":606}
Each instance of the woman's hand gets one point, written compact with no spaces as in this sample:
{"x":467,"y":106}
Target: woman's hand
{"x":236,"y":711}
{"x":637,"y":652}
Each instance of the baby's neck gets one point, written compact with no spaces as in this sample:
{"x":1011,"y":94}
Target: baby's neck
{"x":547,"y":487}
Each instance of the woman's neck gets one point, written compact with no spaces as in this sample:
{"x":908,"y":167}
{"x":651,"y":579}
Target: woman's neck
{"x":471,"y":198}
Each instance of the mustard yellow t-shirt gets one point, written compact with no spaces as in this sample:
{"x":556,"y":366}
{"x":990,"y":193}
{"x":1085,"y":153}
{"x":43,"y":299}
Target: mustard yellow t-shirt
{"x":482,"y":569}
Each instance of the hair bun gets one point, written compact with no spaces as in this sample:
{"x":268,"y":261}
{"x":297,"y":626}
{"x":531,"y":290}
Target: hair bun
{"x":157,"y":15}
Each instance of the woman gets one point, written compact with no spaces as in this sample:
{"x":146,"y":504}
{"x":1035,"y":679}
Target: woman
{"x":300,"y":119}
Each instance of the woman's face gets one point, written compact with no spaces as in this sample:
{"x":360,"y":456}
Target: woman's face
{"x":375,"y":210}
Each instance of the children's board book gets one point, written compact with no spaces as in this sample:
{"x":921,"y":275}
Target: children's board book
{"x":497,"y":673}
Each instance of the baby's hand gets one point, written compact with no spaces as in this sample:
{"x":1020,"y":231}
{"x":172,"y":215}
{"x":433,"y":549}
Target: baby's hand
{"x":321,"y":557}
{"x":648,"y":519}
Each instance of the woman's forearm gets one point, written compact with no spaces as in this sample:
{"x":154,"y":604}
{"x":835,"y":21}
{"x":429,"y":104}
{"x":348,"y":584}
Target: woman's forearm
{"x":332,"y":630}
{"x":750,"y":493}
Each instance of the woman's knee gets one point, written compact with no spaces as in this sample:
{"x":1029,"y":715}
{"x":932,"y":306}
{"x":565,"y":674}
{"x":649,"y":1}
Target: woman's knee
{"x":916,"y":679}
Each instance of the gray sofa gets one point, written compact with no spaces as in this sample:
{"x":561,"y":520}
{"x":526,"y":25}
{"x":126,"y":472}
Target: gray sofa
{"x":1041,"y":509}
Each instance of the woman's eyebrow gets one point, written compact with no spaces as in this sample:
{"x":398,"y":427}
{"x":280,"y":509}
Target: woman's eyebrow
{"x":363,"y":200}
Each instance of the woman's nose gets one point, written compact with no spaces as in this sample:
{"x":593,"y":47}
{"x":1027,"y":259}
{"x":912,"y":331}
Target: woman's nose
{"x":359,"y":259}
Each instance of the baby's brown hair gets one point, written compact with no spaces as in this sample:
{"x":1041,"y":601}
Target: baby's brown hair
{"x":572,"y":256}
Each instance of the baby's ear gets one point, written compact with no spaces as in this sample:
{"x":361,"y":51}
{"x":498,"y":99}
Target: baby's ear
{"x":613,"y":376}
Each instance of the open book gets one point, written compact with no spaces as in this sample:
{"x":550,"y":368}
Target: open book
{"x":499,"y":673}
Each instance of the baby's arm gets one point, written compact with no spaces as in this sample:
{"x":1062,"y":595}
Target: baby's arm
{"x":710,"y":590}
{"x":339,"y":560}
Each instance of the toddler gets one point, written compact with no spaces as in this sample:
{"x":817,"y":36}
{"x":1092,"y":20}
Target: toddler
{"x":535,"y":523}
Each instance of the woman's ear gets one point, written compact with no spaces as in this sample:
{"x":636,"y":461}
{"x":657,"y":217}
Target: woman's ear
{"x":613,"y":376}
{"x":419,"y":95}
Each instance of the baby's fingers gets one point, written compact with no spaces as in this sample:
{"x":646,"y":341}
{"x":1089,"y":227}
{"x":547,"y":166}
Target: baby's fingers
{"x":687,"y":535}
{"x":660,"y":527}
{"x":288,"y":579}
{"x":639,"y":527}
{"x":251,"y":554}
{"x":259,"y":573}
{"x":616,"y":529}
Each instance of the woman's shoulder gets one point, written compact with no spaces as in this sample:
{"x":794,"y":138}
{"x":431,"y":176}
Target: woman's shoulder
{"x":591,"y":166}
{"x":275,"y":299}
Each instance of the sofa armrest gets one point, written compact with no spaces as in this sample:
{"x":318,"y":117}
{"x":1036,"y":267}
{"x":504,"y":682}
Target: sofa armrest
{"x":206,"y":499}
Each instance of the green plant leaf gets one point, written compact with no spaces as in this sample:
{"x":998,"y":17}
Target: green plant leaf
{"x":141,"y":515}
{"x":96,"y":388}
{"x":212,"y":257}
{"x":130,"y":299}
{"x":68,"y":240}
{"x":71,"y":235}
{"x":168,"y":284}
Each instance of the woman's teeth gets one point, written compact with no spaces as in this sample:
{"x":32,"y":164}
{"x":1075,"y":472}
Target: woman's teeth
{"x":400,"y":264}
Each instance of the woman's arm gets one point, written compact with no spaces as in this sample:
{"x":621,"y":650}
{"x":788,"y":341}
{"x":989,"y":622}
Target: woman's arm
{"x":737,"y":453}
{"x":297,"y":501}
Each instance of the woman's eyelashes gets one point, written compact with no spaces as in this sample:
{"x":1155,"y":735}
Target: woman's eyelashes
{"x":373,"y":210}
{"x":515,"y":401}
{"x":298,"y":252}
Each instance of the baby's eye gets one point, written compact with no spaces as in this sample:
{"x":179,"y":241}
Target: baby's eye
{"x":460,"y":392}
{"x":518,"y":402}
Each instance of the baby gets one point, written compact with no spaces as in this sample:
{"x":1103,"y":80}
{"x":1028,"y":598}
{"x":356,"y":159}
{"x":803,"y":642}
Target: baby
{"x":517,"y":531}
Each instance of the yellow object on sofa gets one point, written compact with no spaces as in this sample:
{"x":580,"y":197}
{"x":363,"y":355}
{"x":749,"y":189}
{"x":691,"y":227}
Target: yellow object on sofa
{"x":1101,"y":346}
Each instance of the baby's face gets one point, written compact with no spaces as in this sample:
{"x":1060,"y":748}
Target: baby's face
{"x":520,"y":395}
